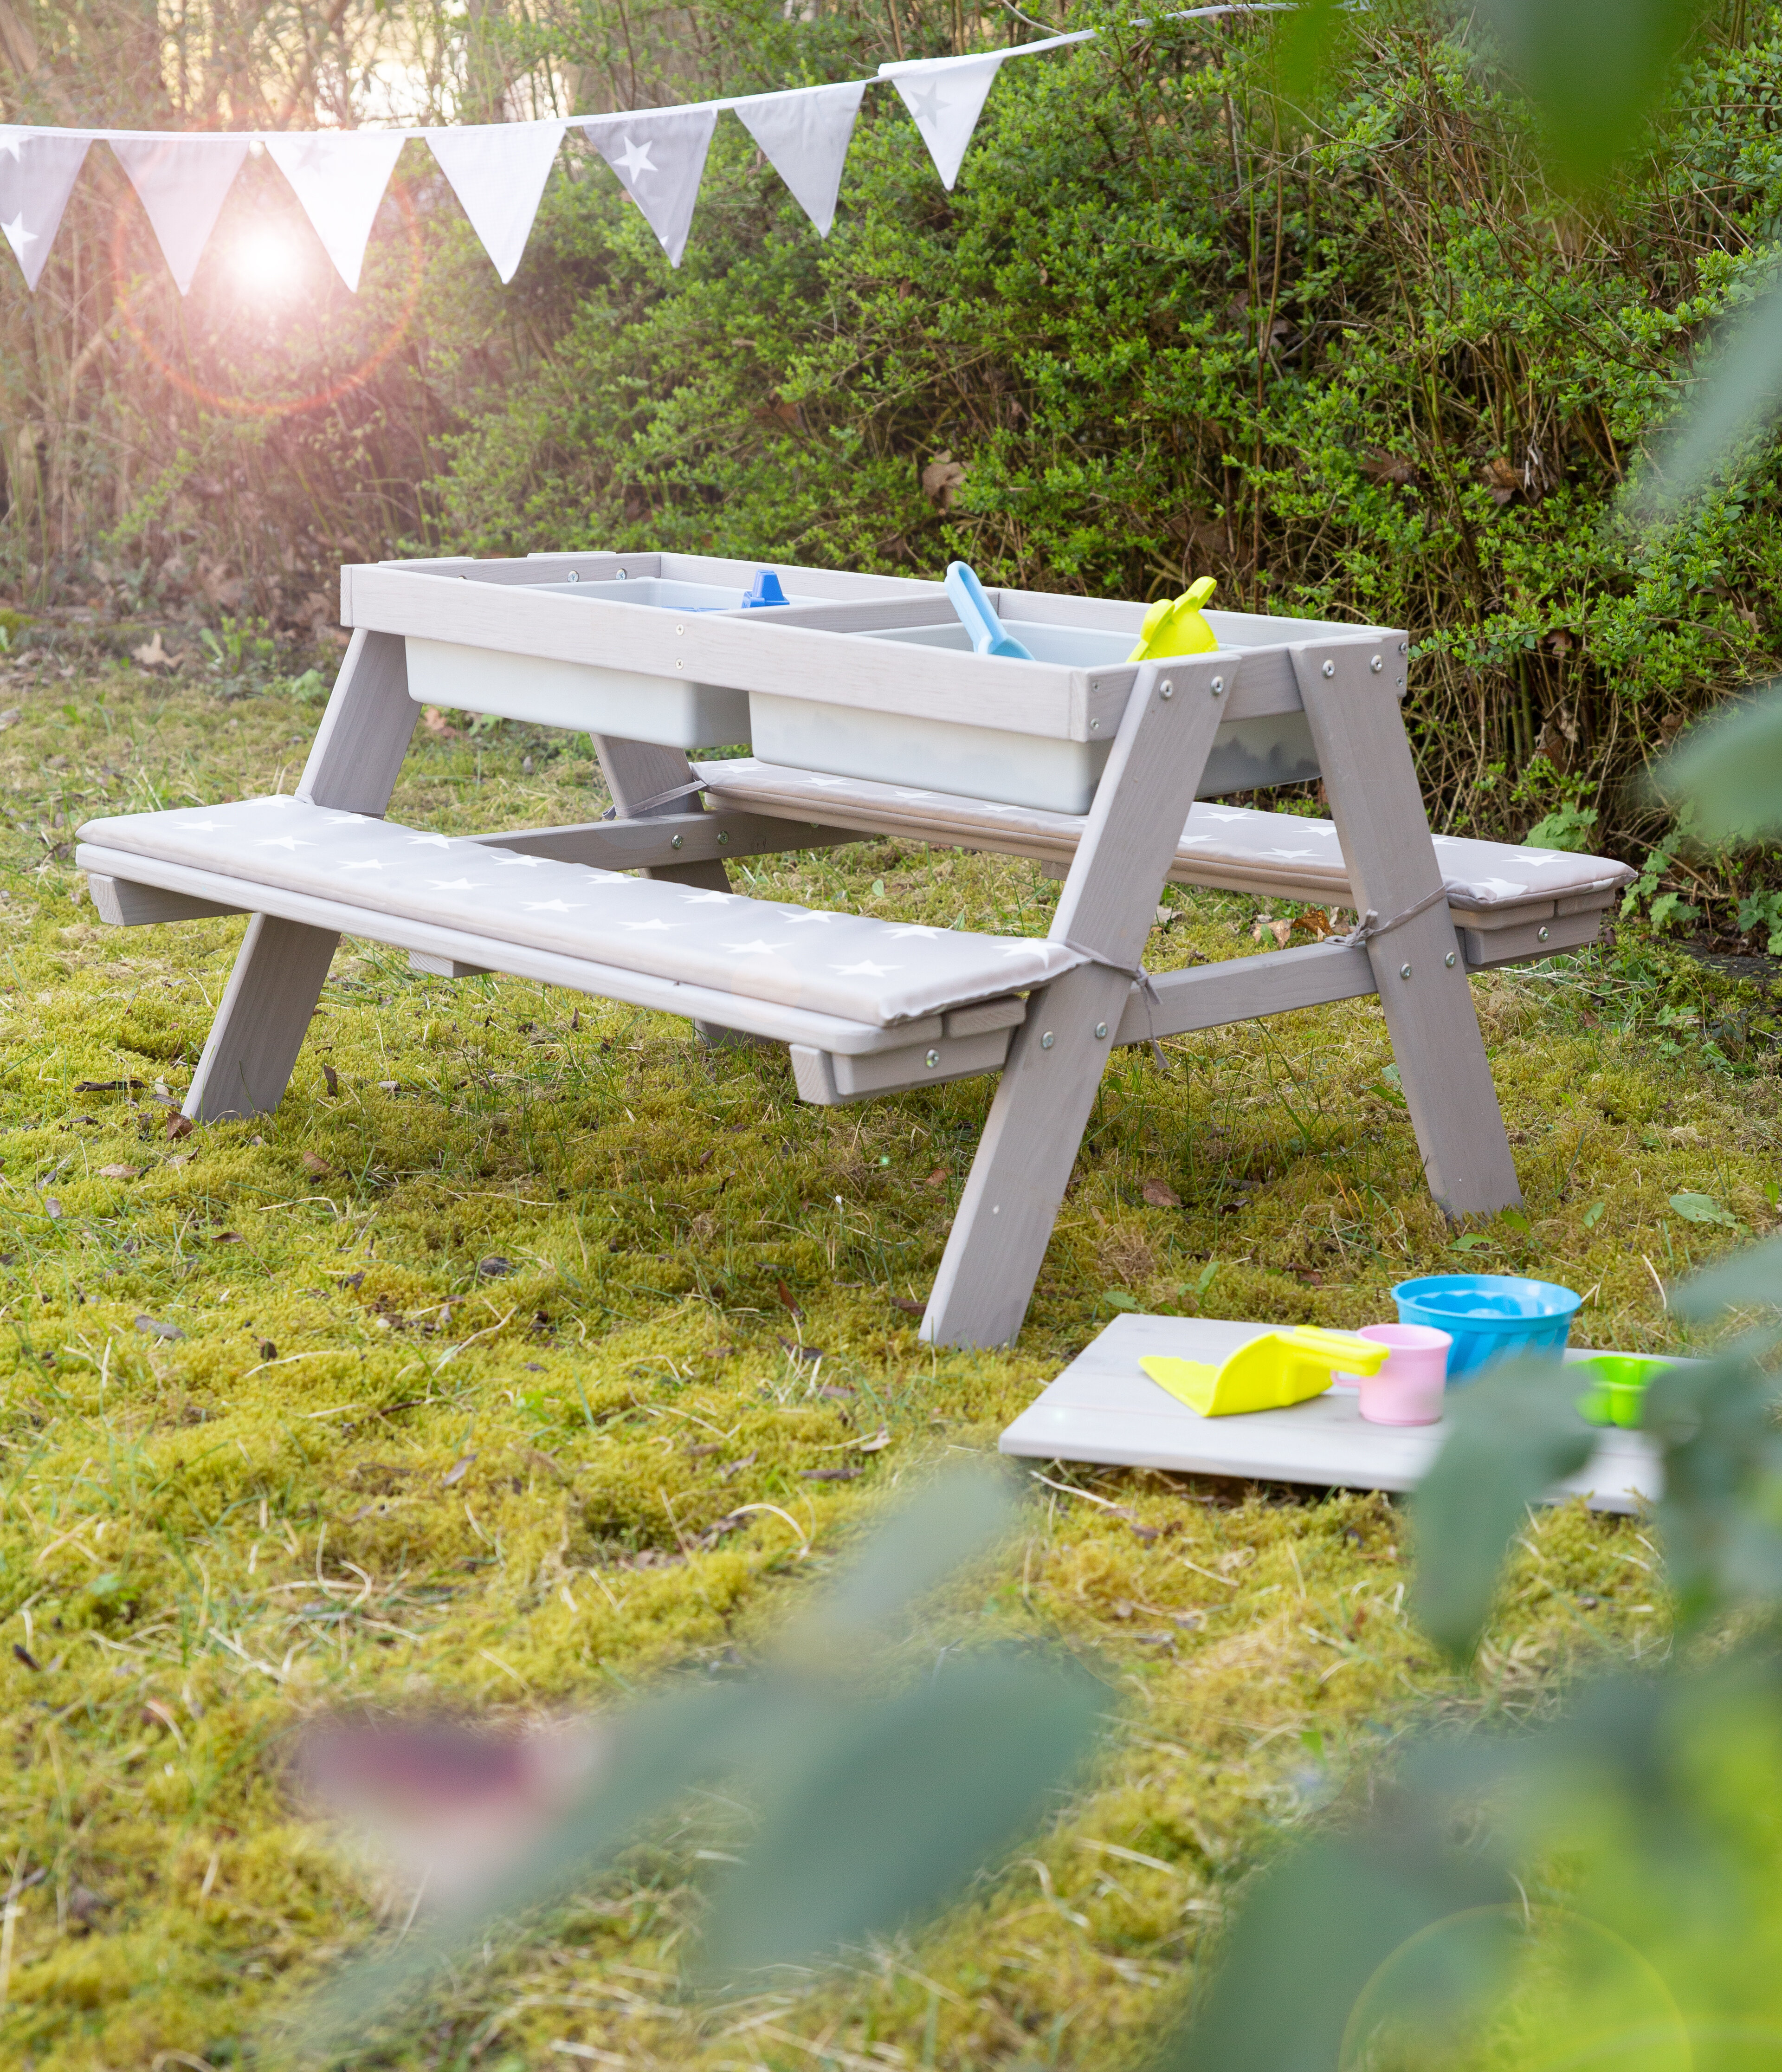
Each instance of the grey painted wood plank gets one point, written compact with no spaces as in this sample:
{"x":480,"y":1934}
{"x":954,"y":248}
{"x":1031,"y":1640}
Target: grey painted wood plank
{"x":124,"y":904}
{"x":785,"y":1025}
{"x":1353,"y":709}
{"x":282,"y":966}
{"x":1104,"y":1408}
{"x":358,"y":751}
{"x":671,"y":838}
{"x":1208,"y":996}
{"x":1036,"y":1123}
{"x":262,"y":1021}
{"x":637,"y":771}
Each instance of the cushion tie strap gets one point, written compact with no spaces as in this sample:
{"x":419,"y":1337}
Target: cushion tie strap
{"x":1140,"y":978}
{"x":1370,"y":925}
{"x":657,"y":798}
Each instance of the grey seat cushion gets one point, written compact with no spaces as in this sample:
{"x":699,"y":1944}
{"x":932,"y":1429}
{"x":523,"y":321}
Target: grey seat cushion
{"x":879,"y":972}
{"x":1235,"y":847}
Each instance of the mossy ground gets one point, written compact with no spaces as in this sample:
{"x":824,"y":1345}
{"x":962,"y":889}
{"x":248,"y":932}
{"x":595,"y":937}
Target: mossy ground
{"x":275,"y":1438}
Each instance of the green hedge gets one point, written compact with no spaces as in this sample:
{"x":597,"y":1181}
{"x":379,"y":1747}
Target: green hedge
{"x":1362,"y":366}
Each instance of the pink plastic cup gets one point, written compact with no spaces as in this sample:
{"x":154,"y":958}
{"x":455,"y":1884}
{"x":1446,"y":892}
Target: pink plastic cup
{"x":1408,"y":1389}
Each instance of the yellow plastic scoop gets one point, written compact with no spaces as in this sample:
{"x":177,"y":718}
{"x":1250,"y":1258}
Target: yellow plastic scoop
{"x":1269,"y":1373}
{"x":1176,"y":627}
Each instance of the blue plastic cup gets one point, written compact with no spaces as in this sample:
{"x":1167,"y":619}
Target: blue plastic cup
{"x":1489,"y":1316}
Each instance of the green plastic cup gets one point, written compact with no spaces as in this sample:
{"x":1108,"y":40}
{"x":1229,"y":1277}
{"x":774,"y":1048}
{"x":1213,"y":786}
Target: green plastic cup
{"x":1617,"y":1391}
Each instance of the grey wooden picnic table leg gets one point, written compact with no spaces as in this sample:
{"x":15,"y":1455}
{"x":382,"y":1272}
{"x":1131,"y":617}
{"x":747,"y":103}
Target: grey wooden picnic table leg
{"x":1048,"y":1087}
{"x":1351,"y":702}
{"x":283,"y":965}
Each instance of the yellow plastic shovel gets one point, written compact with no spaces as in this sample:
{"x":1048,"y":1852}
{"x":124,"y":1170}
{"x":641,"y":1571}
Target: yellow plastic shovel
{"x":1269,"y":1373}
{"x":1176,"y":626}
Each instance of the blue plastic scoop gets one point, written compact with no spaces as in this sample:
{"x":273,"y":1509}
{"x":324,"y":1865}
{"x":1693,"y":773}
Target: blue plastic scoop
{"x":966,"y":593}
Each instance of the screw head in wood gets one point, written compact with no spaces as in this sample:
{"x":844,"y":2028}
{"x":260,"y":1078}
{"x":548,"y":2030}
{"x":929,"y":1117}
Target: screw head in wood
{"x":1330,"y":667}
{"x":1541,"y":935}
{"x":1101,"y":1029}
{"x":1449,"y":959}
{"x":1095,"y":726}
{"x":674,"y":841}
{"x":572,"y":577}
{"x":1404,"y":970}
{"x":1046,"y":1041}
{"x":933,"y":1060}
{"x":723,"y":840}
{"x":680,"y":665}
{"x":1217,"y":687}
{"x":1403,"y":647}
{"x":680,"y":629}
{"x":1376,"y":665}
{"x":1166,"y":691}
{"x":620,"y":576}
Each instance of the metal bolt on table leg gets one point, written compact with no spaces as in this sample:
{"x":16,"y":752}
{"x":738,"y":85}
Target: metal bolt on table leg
{"x":1404,"y":970}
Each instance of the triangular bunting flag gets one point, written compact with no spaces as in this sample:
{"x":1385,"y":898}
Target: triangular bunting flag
{"x":805,"y":136}
{"x":182,"y":182}
{"x":37,"y":175}
{"x":339,"y":176}
{"x":660,"y":156}
{"x":946,"y":95}
{"x":498,"y":171}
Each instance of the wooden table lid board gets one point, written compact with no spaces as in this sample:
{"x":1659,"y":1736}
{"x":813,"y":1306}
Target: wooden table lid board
{"x":1104,"y":1408}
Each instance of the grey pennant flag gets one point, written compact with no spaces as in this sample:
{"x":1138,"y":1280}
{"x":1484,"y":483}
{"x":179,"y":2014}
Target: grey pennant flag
{"x":660,"y":156}
{"x":37,"y":175}
{"x":805,"y":136}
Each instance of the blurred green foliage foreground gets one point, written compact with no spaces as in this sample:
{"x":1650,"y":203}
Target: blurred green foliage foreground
{"x":530,"y":1355}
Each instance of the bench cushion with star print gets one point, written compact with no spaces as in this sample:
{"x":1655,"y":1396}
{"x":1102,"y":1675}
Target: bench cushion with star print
{"x":880,"y":972}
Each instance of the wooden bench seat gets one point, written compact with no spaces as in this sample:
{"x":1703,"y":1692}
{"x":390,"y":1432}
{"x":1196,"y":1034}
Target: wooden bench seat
{"x":844,"y":984}
{"x":1508,"y":902}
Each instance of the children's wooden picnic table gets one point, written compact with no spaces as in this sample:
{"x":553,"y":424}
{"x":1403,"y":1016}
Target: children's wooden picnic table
{"x":868,"y":712}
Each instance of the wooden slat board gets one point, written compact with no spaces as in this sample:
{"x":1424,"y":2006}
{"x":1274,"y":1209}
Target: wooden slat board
{"x":1104,"y":1407}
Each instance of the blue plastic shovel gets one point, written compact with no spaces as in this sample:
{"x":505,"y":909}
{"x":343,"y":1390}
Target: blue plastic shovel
{"x":966,"y":593}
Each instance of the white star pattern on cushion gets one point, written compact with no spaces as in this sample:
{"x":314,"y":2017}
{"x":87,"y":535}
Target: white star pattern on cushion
{"x":429,"y":841}
{"x":371,"y":879}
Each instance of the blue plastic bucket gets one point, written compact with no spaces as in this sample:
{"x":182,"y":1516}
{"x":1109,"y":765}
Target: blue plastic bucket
{"x":1489,"y":1316}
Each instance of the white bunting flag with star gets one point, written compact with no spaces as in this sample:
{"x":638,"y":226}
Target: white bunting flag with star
{"x":946,"y":95}
{"x":498,"y":171}
{"x":660,"y":156}
{"x":339,"y":176}
{"x":805,"y":137}
{"x":182,"y":182}
{"x":37,"y":175}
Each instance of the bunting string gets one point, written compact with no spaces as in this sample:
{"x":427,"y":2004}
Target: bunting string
{"x":498,"y":171}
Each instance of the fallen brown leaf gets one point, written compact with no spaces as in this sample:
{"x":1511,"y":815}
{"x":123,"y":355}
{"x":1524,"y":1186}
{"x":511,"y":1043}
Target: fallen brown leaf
{"x":119,"y":1172}
{"x":178,"y":1126}
{"x":1160,"y":1195}
{"x":457,"y":1471}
